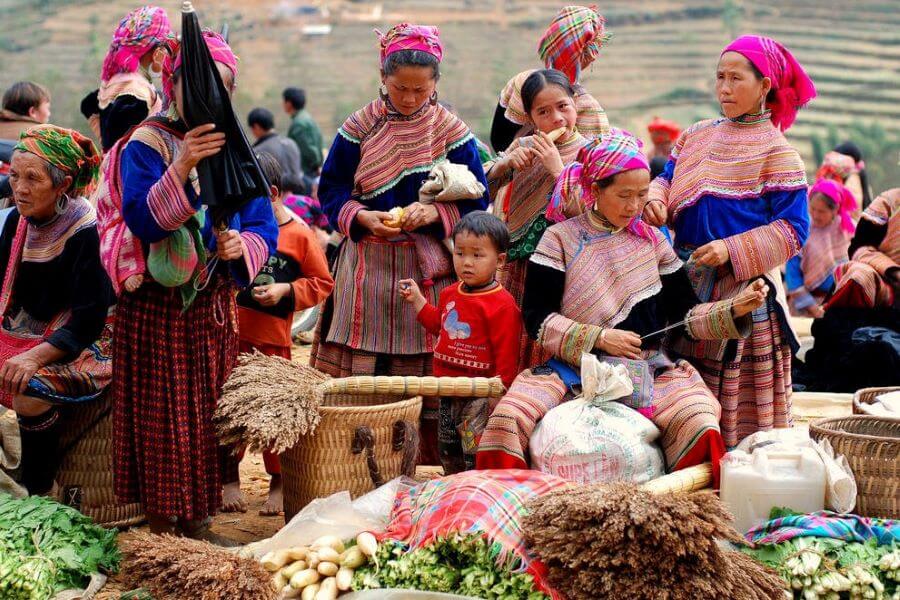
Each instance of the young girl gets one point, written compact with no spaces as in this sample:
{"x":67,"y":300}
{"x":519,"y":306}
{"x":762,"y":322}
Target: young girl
{"x":529,"y":170}
{"x":810,"y":274}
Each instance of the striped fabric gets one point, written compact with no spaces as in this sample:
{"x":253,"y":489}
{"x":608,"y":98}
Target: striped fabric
{"x":573,"y":40}
{"x":885,"y":210}
{"x":714,"y":321}
{"x":131,"y":84}
{"x":824,"y":250}
{"x":761,"y":250}
{"x":826,"y":524}
{"x":168,"y":203}
{"x":46,"y":242}
{"x":393,"y":145}
{"x":729,"y":159}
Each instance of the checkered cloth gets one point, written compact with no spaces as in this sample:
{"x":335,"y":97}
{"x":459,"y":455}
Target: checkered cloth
{"x":573,"y":40}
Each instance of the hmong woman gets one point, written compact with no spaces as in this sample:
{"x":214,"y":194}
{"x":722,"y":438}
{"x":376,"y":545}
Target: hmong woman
{"x":735,"y":192}
{"x":845,"y":165}
{"x":55,"y":298}
{"x":872,"y":277}
{"x":571,"y":43}
{"x":378,"y":161}
{"x":522,"y":179}
{"x":175,"y":346}
{"x":809,"y":277}
{"x":605,"y":283}
{"x":126,"y":95}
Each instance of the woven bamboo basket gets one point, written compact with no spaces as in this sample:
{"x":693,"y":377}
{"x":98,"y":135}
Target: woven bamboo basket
{"x":368,"y":435}
{"x":868,"y":395}
{"x":872,"y":448}
{"x":85,"y":475}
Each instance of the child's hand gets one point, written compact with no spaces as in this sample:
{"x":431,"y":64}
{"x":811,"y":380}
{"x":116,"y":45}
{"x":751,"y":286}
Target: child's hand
{"x":547,"y":152}
{"x":411,"y":293}
{"x":271,"y":294}
{"x":133,"y":283}
{"x":751,"y":298}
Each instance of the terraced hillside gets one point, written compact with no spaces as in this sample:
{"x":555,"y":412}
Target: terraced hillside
{"x":660,"y":61}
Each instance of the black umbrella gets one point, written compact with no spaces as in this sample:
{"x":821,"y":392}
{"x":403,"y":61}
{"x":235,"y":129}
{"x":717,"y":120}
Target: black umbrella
{"x":232,"y":177}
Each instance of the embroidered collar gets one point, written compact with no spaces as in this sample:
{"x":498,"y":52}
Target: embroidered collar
{"x":602,"y":223}
{"x":753,"y":118}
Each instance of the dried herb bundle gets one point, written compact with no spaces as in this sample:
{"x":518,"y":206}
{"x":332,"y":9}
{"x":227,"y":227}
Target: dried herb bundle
{"x":268,"y":403}
{"x":175,"y":567}
{"x":618,"y":541}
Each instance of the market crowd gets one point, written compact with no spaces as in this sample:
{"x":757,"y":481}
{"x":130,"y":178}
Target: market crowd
{"x":684,"y":261}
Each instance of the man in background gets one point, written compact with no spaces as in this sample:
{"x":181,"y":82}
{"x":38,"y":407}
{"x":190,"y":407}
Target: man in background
{"x":284,"y":150}
{"x":305,"y":133}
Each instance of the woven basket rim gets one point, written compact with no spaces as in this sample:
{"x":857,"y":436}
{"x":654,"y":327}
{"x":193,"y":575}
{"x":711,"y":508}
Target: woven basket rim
{"x":820,"y":426}
{"x":367,"y":408}
{"x":872,"y":391}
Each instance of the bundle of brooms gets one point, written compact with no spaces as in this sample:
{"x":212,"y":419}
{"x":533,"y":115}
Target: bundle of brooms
{"x":268,"y":403}
{"x":618,"y":541}
{"x":172,"y":567}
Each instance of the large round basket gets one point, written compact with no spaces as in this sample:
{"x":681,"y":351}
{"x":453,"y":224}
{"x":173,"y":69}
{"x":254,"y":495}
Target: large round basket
{"x":872,"y":448}
{"x":868,"y":395}
{"x":85,"y":476}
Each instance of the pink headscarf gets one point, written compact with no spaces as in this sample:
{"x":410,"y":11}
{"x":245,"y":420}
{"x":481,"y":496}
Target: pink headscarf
{"x":218,"y":48}
{"x":139,"y":32}
{"x":793,"y":87}
{"x":603,"y":157}
{"x":411,"y":37}
{"x":843,"y":199}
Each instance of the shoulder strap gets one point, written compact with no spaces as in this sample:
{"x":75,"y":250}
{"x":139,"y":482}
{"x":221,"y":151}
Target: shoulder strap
{"x":15,"y":257}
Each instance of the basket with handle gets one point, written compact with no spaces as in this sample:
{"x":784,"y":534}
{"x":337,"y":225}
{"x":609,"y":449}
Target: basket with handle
{"x":868,"y":395}
{"x":368,"y":434}
{"x":871,"y":446}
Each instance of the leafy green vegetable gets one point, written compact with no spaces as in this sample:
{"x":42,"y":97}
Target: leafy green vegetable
{"x":461,"y":564}
{"x":782,"y":512}
{"x":46,"y":547}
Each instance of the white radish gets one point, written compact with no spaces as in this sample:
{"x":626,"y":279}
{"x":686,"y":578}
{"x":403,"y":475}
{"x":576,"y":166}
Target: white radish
{"x":273,"y":561}
{"x":295,"y":567}
{"x":298,"y":553}
{"x":328,"y":554}
{"x":367,"y":543}
{"x":289,"y":592}
{"x":328,"y":569}
{"x":304,"y":578}
{"x":310,"y":591}
{"x":329,"y":541}
{"x":328,"y":591}
{"x":312,"y":561}
{"x":354,"y":558}
{"x":279,"y":580}
{"x":344,"y":579}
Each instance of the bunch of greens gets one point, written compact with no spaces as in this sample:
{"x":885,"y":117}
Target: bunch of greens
{"x":461,"y":564}
{"x":834,"y":569}
{"x":46,"y":547}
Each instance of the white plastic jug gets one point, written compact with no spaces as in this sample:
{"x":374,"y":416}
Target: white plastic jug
{"x":753,"y":484}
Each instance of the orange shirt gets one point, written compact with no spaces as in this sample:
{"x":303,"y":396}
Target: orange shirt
{"x":298,"y":261}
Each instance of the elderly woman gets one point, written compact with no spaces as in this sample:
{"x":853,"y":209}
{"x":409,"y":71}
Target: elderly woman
{"x":178,"y":338}
{"x":735,"y":193}
{"x":377,"y":163}
{"x":573,"y":307}
{"x":55,"y":296}
{"x":571,"y":43}
{"x":126,"y":95}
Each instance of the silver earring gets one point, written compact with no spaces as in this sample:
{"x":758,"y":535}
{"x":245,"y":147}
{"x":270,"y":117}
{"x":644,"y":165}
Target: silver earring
{"x":434,"y":98}
{"x":62,"y":204}
{"x":383,"y":92}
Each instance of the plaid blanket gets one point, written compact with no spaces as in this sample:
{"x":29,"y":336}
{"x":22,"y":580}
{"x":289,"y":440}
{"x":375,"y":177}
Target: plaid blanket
{"x":850,"y":528}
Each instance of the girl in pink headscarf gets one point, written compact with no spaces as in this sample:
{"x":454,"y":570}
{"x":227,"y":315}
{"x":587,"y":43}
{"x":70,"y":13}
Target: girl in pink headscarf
{"x":605,"y":283}
{"x":127,"y":95}
{"x":734,"y":193}
{"x":810,"y":275}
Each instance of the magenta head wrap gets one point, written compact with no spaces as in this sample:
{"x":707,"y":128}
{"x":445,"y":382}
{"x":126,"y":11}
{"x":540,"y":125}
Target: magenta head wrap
{"x":411,"y":37}
{"x":603,"y":157}
{"x":219,"y":49}
{"x":792,"y":86}
{"x":842,"y":198}
{"x":140,"y":31}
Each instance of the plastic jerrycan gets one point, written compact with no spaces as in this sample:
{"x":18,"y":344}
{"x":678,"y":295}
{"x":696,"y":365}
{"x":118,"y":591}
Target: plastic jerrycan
{"x":753,"y":484}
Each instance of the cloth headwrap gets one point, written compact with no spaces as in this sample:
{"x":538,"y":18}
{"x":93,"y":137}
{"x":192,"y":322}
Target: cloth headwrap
{"x":573,"y":40}
{"x":837,"y":165}
{"x":140,"y":31}
{"x":603,"y":157}
{"x":842,"y":198}
{"x":66,"y":150}
{"x":662,"y":130}
{"x":411,"y":37}
{"x":793,"y":87}
{"x":218,"y":48}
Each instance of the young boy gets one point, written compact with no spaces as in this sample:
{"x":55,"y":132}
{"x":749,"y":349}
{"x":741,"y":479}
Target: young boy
{"x":295,"y":278}
{"x":478,"y":326}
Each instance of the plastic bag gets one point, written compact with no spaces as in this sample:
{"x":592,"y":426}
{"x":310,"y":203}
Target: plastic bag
{"x":449,"y":182}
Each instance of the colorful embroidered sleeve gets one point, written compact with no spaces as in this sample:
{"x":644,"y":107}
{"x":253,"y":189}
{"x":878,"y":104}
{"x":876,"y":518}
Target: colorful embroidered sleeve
{"x":879,"y":261}
{"x":714,"y":321}
{"x":154,"y":202}
{"x":336,"y":188}
{"x":259,"y":238}
{"x":764,"y":248}
{"x":798,"y":296}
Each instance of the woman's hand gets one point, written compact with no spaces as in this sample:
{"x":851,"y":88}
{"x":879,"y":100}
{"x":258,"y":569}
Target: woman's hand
{"x":373,"y":220}
{"x":618,"y":342}
{"x":816,"y":311}
{"x":271,"y":294}
{"x":17,"y":371}
{"x":655,"y":213}
{"x":752,"y":297}
{"x":713,"y":254}
{"x":133,"y":282}
{"x":411,"y":293}
{"x":228,"y":245}
{"x":418,"y":215}
{"x":547,"y":152}
{"x":199,"y":143}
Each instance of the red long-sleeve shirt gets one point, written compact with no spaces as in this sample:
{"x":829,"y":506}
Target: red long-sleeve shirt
{"x":479,"y":333}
